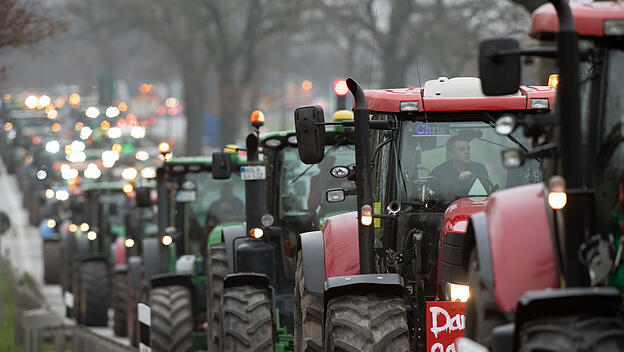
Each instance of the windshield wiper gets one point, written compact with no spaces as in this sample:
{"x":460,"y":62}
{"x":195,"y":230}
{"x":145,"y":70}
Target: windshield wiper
{"x":512,"y":138}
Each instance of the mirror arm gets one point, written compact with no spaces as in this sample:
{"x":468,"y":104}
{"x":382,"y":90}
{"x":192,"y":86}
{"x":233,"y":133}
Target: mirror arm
{"x":545,"y":151}
{"x":550,"y":52}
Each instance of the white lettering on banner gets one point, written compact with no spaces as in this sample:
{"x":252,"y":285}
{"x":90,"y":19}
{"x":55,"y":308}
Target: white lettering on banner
{"x":438,"y":347}
{"x":458,"y":322}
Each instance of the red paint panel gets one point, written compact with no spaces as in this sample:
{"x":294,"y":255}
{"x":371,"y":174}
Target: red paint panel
{"x":521,"y":247}
{"x":340,"y":242}
{"x":476,"y":104}
{"x":120,"y":251}
{"x":389,"y":100}
{"x":445,"y":323}
{"x":588,"y":18}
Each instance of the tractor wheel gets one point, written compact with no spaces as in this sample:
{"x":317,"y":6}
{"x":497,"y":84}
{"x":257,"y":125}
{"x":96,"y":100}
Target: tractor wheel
{"x":572,"y":333}
{"x":52,"y":262}
{"x":120,"y":304}
{"x":217,"y":270}
{"x":308,"y":315}
{"x":247,"y":322}
{"x":482,"y":313}
{"x":372,"y":322}
{"x":93,"y":290}
{"x":172,"y":319}
{"x":132,"y":299}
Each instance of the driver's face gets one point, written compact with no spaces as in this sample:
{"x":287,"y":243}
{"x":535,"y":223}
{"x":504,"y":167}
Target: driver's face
{"x":461,"y":152}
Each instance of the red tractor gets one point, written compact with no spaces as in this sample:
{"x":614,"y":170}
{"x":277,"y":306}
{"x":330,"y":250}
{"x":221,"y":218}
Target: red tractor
{"x":391,"y":276}
{"x":544,"y":257}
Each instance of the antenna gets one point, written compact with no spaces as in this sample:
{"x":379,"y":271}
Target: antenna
{"x":413,"y":30}
{"x":370,"y":72}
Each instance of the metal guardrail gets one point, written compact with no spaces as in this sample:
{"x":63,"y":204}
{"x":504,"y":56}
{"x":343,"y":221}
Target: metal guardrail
{"x":86,"y":340}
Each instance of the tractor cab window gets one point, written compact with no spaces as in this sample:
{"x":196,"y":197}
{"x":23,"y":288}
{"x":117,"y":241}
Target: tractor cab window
{"x":442,"y":160}
{"x":205,"y":203}
{"x":112,"y":211}
{"x":302,"y":187}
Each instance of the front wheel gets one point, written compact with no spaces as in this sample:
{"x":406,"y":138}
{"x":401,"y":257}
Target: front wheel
{"x":217,"y":270}
{"x":308,"y":315}
{"x":572,"y":333}
{"x":247,"y":321}
{"x":372,"y":322}
{"x":120,"y":304}
{"x":93,"y":293}
{"x":171,"y":318}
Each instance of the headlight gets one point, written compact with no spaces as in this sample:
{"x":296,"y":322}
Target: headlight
{"x":129,"y":242}
{"x":91,"y":235}
{"x":166,"y":240}
{"x":84,"y":227}
{"x":256,"y":232}
{"x":539,"y":103}
{"x":459,"y":293}
{"x":51,"y":223}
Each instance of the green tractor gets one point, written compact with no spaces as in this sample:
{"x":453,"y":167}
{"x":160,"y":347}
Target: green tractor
{"x":99,"y":210}
{"x":171,"y":275}
{"x":251,"y":268}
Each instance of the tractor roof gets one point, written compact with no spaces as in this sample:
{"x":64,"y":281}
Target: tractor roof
{"x":455,"y":94}
{"x":590,"y":19}
{"x":194,"y":160}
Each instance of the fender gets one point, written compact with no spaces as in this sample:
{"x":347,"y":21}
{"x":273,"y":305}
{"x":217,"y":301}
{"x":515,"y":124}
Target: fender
{"x":520,"y":244}
{"x":363,"y":284}
{"x":598,"y":301}
{"x":155,"y":258}
{"x":119,"y":252}
{"x":171,"y":279}
{"x":230,"y":233}
{"x":340,"y":245}
{"x":479,"y":236}
{"x":242,"y":279}
{"x":310,"y":245}
{"x":216,"y":234}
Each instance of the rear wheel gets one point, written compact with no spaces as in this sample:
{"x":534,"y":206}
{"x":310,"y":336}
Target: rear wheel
{"x":482,"y":313}
{"x":572,"y":333}
{"x":372,"y":322}
{"x":171,"y":318}
{"x":308,"y":315}
{"x":93,"y":291}
{"x":52,"y":262}
{"x":217,"y":270}
{"x":120,"y":304}
{"x":247,"y":322}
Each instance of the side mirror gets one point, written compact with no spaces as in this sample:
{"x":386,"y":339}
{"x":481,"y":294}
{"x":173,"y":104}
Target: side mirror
{"x":143,"y":197}
{"x":221,"y":166}
{"x":512,"y":158}
{"x":499,"y":68}
{"x":5,"y":222}
{"x":310,"y":133}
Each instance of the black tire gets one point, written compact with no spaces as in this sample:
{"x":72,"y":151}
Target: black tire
{"x":372,"y":322}
{"x":572,"y":333}
{"x":308,"y":315}
{"x":133,"y":298}
{"x":247,"y":321}
{"x":120,"y":304}
{"x":93,"y":288}
{"x":482,"y":313}
{"x":172,"y":319}
{"x":52,"y":262}
{"x":217,"y":270}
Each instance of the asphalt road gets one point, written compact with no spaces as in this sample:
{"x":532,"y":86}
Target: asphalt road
{"x":23,"y":246}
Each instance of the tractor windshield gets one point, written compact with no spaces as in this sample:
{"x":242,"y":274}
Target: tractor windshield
{"x":302,"y":187}
{"x":442,"y":160}
{"x":111,"y":213}
{"x":204,"y":203}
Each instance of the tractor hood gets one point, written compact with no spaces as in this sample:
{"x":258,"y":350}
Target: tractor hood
{"x":458,"y":213}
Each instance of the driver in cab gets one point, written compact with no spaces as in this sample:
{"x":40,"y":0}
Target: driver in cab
{"x":456,"y":176}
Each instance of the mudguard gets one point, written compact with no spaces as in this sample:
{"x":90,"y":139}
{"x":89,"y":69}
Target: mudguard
{"x":216,"y":234}
{"x":171,"y":279}
{"x":119,"y":252}
{"x":340,"y":245}
{"x":479,"y":236}
{"x":230,"y":233}
{"x":313,"y":260}
{"x":520,"y":244}
{"x":155,"y":258}
{"x":599,"y":301}
{"x":241,"y":279}
{"x":363,"y":284}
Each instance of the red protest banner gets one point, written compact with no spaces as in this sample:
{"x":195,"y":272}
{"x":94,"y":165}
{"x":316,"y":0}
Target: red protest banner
{"x":445,"y":323}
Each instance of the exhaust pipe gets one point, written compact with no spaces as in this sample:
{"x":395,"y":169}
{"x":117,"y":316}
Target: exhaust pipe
{"x":364,"y":188}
